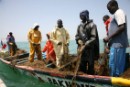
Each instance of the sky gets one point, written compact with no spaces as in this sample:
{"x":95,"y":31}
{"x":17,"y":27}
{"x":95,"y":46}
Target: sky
{"x":18,"y":16}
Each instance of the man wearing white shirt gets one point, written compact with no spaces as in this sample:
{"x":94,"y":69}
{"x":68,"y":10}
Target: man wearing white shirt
{"x":117,"y":38}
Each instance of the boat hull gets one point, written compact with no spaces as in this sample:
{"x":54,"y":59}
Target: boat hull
{"x":61,"y":80}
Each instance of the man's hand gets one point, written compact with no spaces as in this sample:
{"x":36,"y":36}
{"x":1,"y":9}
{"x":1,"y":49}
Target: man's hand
{"x":107,"y":50}
{"x":106,"y":39}
{"x":59,"y":43}
{"x":81,"y":48}
{"x":11,"y":43}
{"x":80,"y":42}
{"x":67,"y":44}
{"x":34,"y":44}
{"x":39,"y":42}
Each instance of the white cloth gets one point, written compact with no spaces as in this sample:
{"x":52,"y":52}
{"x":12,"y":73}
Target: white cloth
{"x":120,"y":17}
{"x":34,"y":25}
{"x":60,"y":35}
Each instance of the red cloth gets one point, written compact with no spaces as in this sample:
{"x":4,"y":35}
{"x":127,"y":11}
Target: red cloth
{"x":49,"y":50}
{"x":4,"y":46}
{"x":107,"y":24}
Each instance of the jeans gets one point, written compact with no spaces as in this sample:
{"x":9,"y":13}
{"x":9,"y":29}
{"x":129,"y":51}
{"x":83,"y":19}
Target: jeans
{"x":117,"y":61}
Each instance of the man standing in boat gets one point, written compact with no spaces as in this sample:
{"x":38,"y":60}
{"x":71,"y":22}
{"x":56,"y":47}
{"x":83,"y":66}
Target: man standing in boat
{"x":88,"y":43}
{"x":118,"y":39}
{"x":34,"y":38}
{"x":11,"y":44}
{"x":60,"y":40}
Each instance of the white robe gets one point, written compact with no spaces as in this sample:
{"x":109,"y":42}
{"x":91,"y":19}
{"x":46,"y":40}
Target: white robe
{"x":60,"y":35}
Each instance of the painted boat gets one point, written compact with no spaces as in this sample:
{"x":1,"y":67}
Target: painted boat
{"x":61,"y":80}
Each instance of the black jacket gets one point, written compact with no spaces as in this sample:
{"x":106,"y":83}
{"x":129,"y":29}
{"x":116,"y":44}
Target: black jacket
{"x":88,"y":33}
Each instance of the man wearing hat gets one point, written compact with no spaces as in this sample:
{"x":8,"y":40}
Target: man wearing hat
{"x":88,"y":43}
{"x":60,"y":40}
{"x":34,"y":38}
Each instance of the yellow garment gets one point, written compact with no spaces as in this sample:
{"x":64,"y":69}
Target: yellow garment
{"x":60,"y":35}
{"x":12,"y":49}
{"x":34,"y":37}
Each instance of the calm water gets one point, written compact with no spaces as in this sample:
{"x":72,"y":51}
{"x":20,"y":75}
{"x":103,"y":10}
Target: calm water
{"x":13,"y":78}
{"x":72,"y":46}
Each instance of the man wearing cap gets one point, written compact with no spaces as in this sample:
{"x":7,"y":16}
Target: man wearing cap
{"x":34,"y":38}
{"x":11,"y":44}
{"x":60,"y":40}
{"x":88,"y":43}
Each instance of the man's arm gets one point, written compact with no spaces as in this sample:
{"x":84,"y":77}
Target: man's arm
{"x":77,"y":35}
{"x":67,"y":37}
{"x":121,"y":28}
{"x":29,"y":36}
{"x":93,"y":35}
{"x":53,"y":37}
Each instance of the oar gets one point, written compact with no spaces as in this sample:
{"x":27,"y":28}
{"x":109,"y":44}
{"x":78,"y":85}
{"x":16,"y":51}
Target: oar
{"x":44,"y":61}
{"x":77,"y":64}
{"x":26,"y":59}
{"x":19,"y":61}
{"x":51,"y":65}
{"x":20,"y":56}
{"x":67,"y":64}
{"x":105,"y":56}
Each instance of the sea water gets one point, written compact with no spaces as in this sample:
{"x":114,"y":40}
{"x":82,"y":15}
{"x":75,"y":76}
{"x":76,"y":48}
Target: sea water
{"x":12,"y":78}
{"x":72,"y":46}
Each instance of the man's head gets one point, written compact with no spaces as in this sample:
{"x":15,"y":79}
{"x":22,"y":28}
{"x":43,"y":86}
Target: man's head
{"x":112,"y":6}
{"x":59,"y":23}
{"x":105,"y":18}
{"x":36,"y":26}
{"x":10,"y":33}
{"x":84,"y":16}
{"x":48,"y":35}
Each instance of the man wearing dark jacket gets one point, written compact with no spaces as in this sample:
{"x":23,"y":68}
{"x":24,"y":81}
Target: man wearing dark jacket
{"x":88,"y":43}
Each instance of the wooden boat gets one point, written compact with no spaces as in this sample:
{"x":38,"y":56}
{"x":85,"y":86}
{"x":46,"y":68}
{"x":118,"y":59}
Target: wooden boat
{"x":52,"y":76}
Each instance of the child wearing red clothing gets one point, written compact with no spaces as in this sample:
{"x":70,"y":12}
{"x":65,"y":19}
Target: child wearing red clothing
{"x":48,"y":48}
{"x":106,"y":20}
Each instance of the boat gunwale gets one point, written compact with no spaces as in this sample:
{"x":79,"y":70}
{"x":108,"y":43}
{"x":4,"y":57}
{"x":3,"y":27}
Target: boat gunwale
{"x":108,"y":80}
{"x":83,"y":78}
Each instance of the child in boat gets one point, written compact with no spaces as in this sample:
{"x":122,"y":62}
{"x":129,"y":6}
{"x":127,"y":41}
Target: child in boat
{"x":106,"y":20}
{"x":48,"y":48}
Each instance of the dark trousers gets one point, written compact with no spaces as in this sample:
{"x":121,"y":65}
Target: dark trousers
{"x":87,"y":61}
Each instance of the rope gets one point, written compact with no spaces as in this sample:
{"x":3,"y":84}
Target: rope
{"x":73,"y":83}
